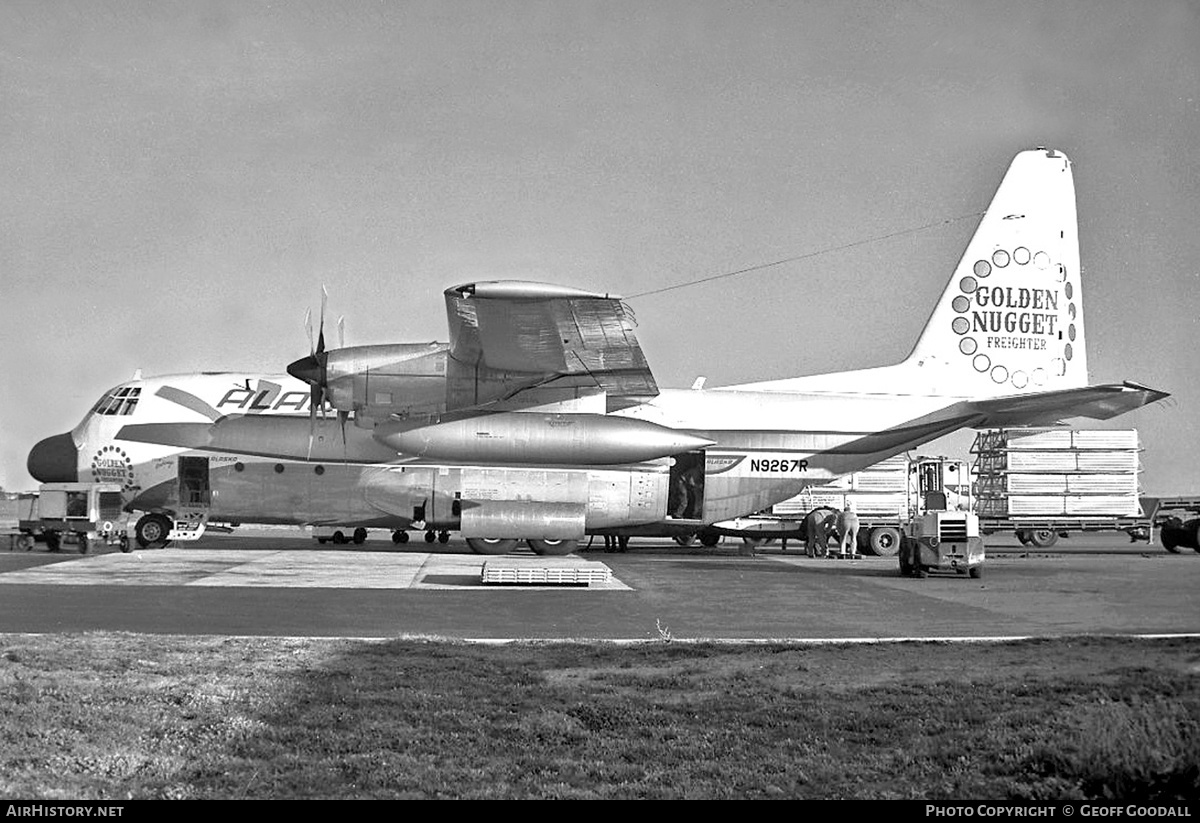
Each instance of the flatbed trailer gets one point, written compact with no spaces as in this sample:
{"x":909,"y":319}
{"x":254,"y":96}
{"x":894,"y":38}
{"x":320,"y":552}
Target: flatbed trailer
{"x":1157,"y":513}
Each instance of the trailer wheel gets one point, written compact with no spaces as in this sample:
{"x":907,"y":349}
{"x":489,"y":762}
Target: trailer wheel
{"x":1043,"y":538}
{"x":360,"y":536}
{"x":338,"y":537}
{"x":553,"y":548}
{"x":491,"y":545}
{"x":53,"y":541}
{"x":152,"y":530}
{"x":885,"y":541}
{"x":1023,"y":536}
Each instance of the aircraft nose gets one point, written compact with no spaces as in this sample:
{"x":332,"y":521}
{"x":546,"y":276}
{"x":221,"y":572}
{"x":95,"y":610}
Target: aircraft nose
{"x":54,"y":460}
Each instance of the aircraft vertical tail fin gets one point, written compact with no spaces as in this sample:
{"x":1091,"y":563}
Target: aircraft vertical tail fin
{"x":1011,"y":320}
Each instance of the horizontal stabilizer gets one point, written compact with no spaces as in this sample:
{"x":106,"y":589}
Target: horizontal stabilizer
{"x":1047,"y":408}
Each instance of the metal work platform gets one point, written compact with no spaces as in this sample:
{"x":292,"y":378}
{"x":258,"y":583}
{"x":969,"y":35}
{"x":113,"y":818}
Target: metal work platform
{"x":543,"y":571}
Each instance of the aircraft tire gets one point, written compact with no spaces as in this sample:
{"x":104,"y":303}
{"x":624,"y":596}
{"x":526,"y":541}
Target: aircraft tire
{"x":684,"y":540}
{"x":430,"y":537}
{"x":709,"y":538}
{"x":152,"y":530}
{"x":399,"y":537}
{"x":491,"y":545}
{"x":360,"y":536}
{"x":443,"y":537}
{"x":1043,"y":538}
{"x":885,"y":541}
{"x":553,"y":548}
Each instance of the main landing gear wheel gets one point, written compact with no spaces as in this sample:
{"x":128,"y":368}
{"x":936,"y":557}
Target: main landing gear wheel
{"x":399,"y":537}
{"x":360,"y":536}
{"x":491,"y":545}
{"x":553,"y":548}
{"x":152,"y":530}
{"x":684,"y":540}
{"x":443,"y":537}
{"x":709,"y":538}
{"x":430,"y":537}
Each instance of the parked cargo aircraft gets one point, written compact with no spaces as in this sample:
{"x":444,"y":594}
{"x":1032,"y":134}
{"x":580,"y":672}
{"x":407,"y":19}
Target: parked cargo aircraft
{"x":540,"y":419}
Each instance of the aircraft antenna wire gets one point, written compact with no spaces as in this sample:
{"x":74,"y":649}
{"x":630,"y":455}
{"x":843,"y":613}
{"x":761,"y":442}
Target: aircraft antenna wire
{"x":807,"y":255}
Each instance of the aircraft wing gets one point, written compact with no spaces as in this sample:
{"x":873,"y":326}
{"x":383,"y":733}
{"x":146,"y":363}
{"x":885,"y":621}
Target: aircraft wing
{"x":507,"y":337}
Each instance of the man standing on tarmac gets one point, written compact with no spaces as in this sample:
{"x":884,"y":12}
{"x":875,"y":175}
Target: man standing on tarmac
{"x":848,"y":529}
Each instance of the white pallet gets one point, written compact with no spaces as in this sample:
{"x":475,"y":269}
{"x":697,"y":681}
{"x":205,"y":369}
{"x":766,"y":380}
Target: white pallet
{"x":522,"y":573}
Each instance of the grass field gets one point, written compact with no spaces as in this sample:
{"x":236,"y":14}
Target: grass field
{"x":114,"y":716}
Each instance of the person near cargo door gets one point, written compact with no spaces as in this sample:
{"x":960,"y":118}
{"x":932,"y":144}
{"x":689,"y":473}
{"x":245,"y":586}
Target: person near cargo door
{"x":848,"y":529}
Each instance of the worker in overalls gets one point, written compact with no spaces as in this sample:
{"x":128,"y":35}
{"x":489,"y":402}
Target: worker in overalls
{"x":848,"y":528}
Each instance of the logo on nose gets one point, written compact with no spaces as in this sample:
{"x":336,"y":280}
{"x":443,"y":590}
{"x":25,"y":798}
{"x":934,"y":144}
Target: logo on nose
{"x":113,"y":465}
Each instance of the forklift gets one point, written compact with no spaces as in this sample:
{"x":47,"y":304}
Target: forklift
{"x":936,"y":537}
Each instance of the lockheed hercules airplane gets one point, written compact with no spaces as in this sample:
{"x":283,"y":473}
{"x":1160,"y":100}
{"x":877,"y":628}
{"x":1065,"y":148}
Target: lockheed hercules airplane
{"x":540,"y":419}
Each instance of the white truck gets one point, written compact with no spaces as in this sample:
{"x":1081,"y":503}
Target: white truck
{"x":887,"y":497}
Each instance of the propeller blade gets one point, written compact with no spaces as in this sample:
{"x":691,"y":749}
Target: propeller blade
{"x":342,"y":332}
{"x":321,"y":334}
{"x":312,"y":349}
{"x":343,"y":416}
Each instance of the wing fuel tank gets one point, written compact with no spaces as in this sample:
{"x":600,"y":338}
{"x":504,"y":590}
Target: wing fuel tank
{"x":526,"y":437}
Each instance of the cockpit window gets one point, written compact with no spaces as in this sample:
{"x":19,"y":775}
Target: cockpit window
{"x":121,"y":400}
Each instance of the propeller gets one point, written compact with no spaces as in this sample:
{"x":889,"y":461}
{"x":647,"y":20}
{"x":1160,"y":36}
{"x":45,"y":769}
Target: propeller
{"x":314,"y":370}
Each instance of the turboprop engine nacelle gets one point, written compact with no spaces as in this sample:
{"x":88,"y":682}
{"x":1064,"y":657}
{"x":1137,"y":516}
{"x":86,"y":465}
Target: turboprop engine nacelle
{"x":528,"y":437}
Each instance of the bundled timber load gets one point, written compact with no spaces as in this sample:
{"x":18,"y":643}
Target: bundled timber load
{"x":1057,"y":472}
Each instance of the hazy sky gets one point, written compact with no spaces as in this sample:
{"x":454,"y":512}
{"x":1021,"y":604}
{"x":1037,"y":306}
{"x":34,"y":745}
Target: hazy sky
{"x":177,"y":180}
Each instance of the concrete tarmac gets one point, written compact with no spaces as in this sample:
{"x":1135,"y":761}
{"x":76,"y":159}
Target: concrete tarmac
{"x":283,"y":585}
